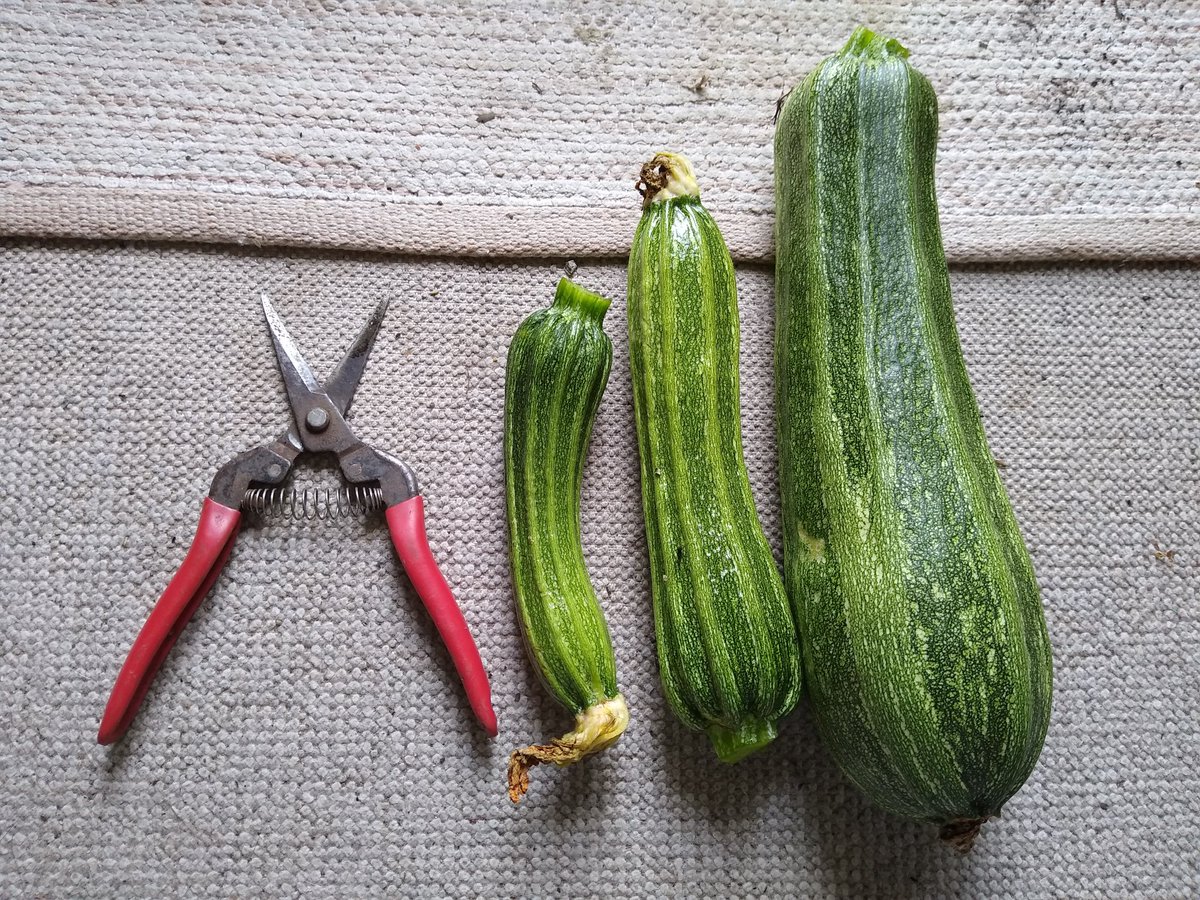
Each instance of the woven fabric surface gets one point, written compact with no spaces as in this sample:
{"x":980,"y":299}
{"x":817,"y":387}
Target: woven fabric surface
{"x":494,"y":128}
{"x":308,"y":736}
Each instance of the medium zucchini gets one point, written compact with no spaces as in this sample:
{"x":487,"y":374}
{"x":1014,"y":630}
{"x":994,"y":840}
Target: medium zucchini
{"x":925,"y":646}
{"x":558,"y":365}
{"x":728,"y":654}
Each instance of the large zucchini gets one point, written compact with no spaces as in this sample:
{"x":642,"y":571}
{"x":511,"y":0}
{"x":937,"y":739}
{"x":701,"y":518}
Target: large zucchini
{"x":558,"y":365}
{"x":728,"y":654}
{"x":925,"y":645}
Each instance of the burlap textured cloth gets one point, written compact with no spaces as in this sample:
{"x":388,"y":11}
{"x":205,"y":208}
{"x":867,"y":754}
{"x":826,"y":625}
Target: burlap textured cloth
{"x":308,"y":736}
{"x":514,"y":129}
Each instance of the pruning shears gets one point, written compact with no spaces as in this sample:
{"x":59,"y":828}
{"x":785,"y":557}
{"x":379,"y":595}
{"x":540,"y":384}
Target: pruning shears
{"x":318,"y":426}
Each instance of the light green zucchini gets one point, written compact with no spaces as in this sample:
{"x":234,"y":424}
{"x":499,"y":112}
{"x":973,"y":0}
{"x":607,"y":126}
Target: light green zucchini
{"x":925,"y":646}
{"x":727,"y":647}
{"x":558,"y":365}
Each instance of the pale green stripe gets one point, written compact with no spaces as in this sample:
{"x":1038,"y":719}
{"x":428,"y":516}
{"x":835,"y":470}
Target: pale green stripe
{"x":744,"y":571}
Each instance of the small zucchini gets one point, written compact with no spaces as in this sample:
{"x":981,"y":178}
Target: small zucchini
{"x":558,"y":365}
{"x":925,"y":646}
{"x":728,"y":654}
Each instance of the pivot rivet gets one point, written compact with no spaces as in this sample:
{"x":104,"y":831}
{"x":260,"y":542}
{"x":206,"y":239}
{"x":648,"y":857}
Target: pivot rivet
{"x":317,"y":420}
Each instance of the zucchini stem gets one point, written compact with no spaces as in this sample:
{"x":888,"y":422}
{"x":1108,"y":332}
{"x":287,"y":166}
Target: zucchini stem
{"x":665,"y":177}
{"x":961,"y":833}
{"x":865,"y":42}
{"x":735,"y":744}
{"x":569,"y":295}
{"x":596,"y":728}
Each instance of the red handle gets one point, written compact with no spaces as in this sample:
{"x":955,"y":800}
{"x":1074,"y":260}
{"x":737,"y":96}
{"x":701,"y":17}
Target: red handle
{"x":210,"y":549}
{"x":406,"y":522}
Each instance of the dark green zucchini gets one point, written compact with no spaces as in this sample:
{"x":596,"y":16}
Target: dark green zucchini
{"x":727,"y":647}
{"x":925,"y":646}
{"x":558,"y":365}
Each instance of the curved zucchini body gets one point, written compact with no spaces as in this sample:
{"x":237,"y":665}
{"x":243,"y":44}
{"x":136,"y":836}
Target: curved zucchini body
{"x":727,"y":647}
{"x":558,"y":365}
{"x":925,"y":645}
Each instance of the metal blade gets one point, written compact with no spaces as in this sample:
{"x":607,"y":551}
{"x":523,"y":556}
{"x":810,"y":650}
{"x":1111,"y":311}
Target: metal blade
{"x":296,"y":370}
{"x":343,"y":382}
{"x":303,"y":389}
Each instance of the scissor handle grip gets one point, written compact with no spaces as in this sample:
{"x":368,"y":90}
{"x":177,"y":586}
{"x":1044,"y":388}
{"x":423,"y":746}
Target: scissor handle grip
{"x":209,"y":551}
{"x":406,"y":522}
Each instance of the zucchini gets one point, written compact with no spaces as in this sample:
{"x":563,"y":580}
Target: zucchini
{"x":558,"y":365}
{"x":925,"y":646}
{"x":728,"y":654}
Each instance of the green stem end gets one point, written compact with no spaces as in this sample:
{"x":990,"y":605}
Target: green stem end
{"x":569,"y":295}
{"x":867,"y":43}
{"x":735,"y":744}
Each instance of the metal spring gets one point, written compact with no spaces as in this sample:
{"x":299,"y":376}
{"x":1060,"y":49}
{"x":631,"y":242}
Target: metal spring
{"x":313,"y":503}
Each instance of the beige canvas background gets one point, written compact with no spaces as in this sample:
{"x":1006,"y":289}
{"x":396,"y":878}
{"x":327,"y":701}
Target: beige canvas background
{"x":513,"y":129}
{"x":307,"y":736}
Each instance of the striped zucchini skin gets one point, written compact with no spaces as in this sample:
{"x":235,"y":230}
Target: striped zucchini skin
{"x":728,"y":653}
{"x":558,"y":366}
{"x":925,"y":645}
